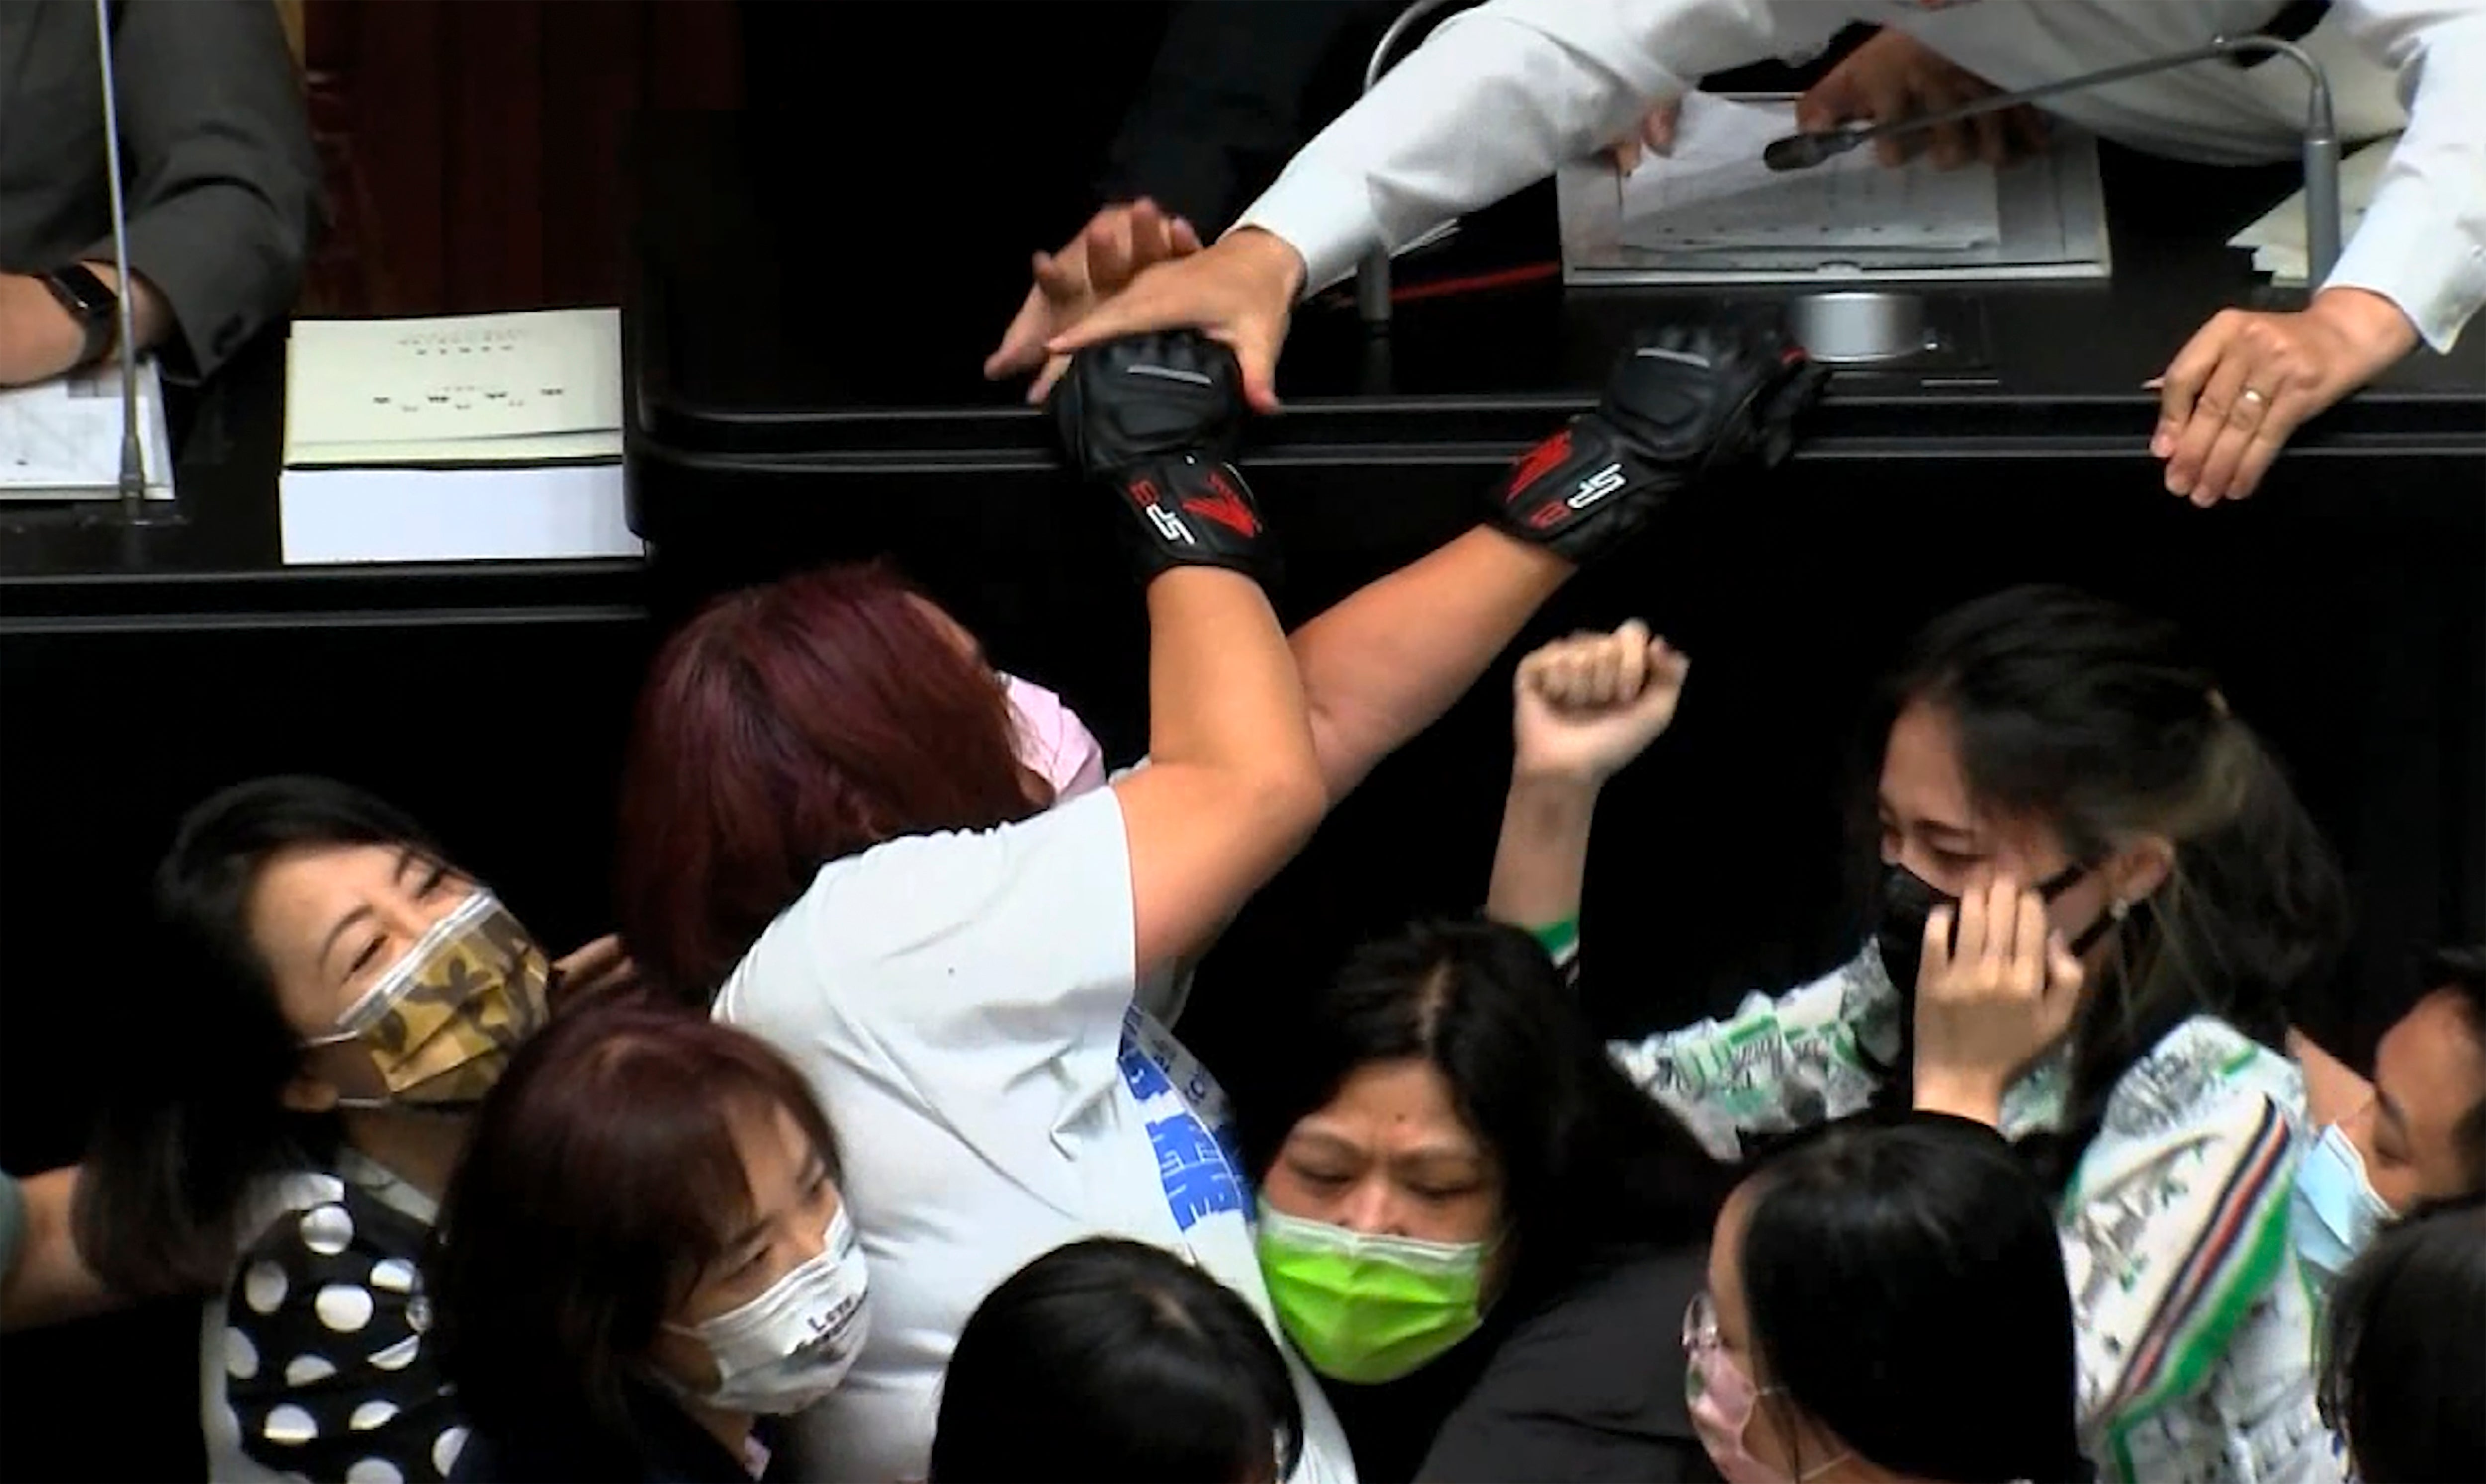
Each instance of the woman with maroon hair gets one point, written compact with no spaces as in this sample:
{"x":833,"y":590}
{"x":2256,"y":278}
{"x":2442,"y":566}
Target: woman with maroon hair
{"x":835,"y":830}
{"x":644,"y":1258}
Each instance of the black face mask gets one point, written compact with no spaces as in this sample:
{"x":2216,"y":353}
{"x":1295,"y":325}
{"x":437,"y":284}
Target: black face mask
{"x":1908,"y":900}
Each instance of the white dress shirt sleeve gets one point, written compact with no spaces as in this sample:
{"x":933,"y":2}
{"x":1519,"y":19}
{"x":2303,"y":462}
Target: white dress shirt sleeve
{"x":1498,"y":98}
{"x":2423,"y":243}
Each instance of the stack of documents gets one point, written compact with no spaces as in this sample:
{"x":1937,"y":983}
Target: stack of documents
{"x":1712,"y":192}
{"x":61,"y":439}
{"x":476,"y":437}
{"x":2278,"y":239}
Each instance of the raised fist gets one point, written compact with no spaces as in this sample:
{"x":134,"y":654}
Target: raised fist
{"x":1584,"y":707}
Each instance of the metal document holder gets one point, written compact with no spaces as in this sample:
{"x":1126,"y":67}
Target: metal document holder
{"x":2052,"y":210}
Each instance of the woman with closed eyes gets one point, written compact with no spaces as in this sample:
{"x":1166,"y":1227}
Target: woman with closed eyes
{"x":336,"y":998}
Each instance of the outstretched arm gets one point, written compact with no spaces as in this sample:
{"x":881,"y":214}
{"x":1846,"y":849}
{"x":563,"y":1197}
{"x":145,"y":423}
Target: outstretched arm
{"x":1499,"y":97}
{"x":1384,"y":662}
{"x":1233,"y":789}
{"x":1379,"y":667}
{"x":1229,"y":796}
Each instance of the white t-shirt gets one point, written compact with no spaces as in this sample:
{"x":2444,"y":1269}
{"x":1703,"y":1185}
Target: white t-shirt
{"x":964,"y":1006}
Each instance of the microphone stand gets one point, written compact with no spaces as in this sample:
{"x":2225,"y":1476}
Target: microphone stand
{"x":1372,"y":275}
{"x":2321,"y":151}
{"x":132,"y":482}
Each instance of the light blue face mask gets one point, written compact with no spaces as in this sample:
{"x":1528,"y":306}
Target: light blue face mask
{"x":2335,"y":1210}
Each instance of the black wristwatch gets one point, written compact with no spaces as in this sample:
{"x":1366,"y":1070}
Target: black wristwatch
{"x":95,"y":308}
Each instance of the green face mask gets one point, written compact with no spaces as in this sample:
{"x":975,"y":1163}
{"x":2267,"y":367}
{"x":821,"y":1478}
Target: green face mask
{"x":1364,"y":1308}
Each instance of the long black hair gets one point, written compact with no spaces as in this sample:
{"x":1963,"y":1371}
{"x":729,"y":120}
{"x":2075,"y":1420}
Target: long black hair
{"x":2091,"y":717}
{"x":1114,"y":1362}
{"x":200,"y":1117}
{"x":1905,"y":1287}
{"x":1590,"y":1164}
{"x":2401,"y":1380}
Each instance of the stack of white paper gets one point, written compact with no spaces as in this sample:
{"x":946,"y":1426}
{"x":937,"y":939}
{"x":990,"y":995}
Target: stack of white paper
{"x":526,"y":388}
{"x":542,"y":513}
{"x":2278,"y":239}
{"x":1712,"y":192}
{"x":61,"y":439}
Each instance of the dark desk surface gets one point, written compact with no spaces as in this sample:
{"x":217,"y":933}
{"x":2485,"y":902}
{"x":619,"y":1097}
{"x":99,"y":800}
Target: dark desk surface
{"x":223,"y":560}
{"x":750,"y":340}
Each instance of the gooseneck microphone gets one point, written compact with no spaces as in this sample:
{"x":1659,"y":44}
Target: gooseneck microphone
{"x":1803,"y":152}
{"x":2321,"y":150}
{"x":134,"y":460}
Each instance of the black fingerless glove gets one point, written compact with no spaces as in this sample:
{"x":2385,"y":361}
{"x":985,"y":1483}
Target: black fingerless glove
{"x":1153,"y":418}
{"x":1685,"y":403}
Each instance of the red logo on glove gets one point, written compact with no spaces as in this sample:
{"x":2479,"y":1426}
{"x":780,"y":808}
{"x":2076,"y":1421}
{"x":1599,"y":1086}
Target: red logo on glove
{"x":1539,"y":461}
{"x":1226,"y":506}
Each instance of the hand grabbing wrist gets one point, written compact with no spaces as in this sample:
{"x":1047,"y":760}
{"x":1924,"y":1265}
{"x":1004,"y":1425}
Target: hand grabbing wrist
{"x":1273,"y":255}
{"x":1151,"y":418}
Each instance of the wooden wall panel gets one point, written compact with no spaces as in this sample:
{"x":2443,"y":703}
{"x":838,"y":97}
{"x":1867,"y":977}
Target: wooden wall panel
{"x":492,"y":235}
{"x":390,"y":79}
{"x":697,"y":45}
{"x":592,"y":84}
{"x":473,"y":147}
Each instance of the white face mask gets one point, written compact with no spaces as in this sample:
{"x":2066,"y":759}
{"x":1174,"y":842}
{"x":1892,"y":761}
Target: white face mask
{"x":789,"y":1347}
{"x":1053,"y":741}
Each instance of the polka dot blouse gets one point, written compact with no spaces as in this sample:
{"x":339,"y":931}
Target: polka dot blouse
{"x":326,"y":1374}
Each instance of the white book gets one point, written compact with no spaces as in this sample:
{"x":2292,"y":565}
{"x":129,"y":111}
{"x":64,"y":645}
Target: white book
{"x":537,"y":386}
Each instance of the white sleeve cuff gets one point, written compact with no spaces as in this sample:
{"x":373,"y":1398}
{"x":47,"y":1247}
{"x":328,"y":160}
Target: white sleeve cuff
{"x":2422,"y":257}
{"x":1324,"y":214}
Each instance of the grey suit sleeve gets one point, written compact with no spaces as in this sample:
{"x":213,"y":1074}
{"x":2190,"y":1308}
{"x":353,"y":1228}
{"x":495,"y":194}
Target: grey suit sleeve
{"x":224,"y":186}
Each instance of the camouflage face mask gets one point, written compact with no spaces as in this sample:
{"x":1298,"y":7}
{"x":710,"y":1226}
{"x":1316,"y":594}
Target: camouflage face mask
{"x":440,"y":1025}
